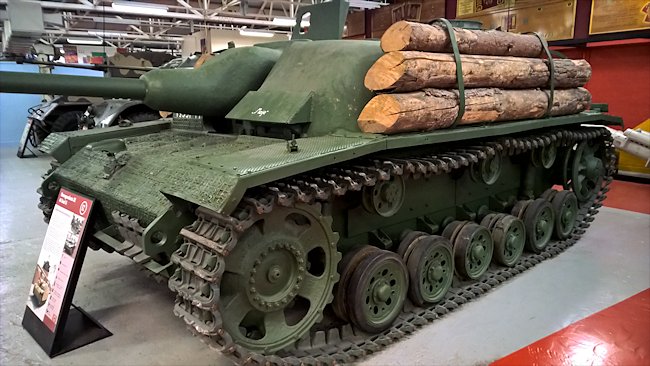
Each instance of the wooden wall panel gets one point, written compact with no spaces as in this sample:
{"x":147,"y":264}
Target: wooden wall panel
{"x":555,"y":19}
{"x":432,"y":9}
{"x":383,"y":17}
{"x":356,"y":24}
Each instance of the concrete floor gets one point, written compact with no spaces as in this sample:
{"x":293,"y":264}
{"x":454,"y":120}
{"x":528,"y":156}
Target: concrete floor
{"x":611,"y":263}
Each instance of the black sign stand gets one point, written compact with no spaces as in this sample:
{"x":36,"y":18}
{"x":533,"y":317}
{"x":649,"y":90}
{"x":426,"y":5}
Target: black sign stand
{"x":28,"y":132}
{"x":75,"y":328}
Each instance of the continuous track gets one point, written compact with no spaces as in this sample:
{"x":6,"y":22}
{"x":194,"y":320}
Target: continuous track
{"x":210,"y":239}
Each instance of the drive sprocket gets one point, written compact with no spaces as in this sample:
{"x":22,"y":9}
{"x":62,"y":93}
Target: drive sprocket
{"x":279,"y":277}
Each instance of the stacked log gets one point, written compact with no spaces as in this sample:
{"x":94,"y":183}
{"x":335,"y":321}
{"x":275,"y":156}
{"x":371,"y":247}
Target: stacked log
{"x":402,"y":71}
{"x":500,"y":70}
{"x":407,"y":36}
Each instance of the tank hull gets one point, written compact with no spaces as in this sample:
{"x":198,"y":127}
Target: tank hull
{"x":233,"y":164}
{"x":172,"y":167}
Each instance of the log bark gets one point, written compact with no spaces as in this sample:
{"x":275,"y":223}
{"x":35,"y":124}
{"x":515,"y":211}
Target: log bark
{"x":432,"y":109}
{"x":403,"y":71}
{"x":409,"y":36}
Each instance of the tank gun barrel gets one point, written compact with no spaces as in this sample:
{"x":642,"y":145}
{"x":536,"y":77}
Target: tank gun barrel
{"x":32,"y":83}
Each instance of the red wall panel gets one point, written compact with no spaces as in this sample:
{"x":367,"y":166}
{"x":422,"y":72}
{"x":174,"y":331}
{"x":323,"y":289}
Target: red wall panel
{"x":620,"y":77}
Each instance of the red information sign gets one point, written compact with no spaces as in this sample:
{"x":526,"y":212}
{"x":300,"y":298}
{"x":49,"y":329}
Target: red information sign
{"x":54,"y":266}
{"x":56,"y":324}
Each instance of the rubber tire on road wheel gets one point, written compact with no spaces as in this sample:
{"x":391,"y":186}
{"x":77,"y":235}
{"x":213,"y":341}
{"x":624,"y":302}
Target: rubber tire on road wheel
{"x":68,"y":121}
{"x":426,"y":254}
{"x":464,"y":242}
{"x":561,"y":229}
{"x":531,"y":216}
{"x":346,"y":268}
{"x":363,"y":277}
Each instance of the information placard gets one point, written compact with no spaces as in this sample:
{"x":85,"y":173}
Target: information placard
{"x":554,"y":19}
{"x":56,"y":274}
{"x":619,"y":16}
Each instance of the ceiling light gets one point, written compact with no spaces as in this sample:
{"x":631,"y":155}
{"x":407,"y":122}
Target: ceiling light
{"x":289,"y":22}
{"x":94,"y":41}
{"x":286,"y":22}
{"x":250,"y":33}
{"x":140,"y":8}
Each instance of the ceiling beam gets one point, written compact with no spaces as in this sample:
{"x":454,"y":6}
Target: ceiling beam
{"x":172,"y":15}
{"x":161,"y":32}
{"x":111,"y":20}
{"x":131,"y":26}
{"x":127,"y":37}
{"x":189,"y":7}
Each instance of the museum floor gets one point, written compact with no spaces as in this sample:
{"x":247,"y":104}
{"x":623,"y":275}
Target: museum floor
{"x":611,"y":263}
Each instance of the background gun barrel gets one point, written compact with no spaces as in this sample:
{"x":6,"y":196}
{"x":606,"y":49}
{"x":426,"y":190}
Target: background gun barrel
{"x":32,"y":83}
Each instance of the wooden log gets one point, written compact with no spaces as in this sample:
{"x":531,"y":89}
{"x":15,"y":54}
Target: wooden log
{"x":432,"y":109}
{"x":403,"y":71}
{"x":409,"y":36}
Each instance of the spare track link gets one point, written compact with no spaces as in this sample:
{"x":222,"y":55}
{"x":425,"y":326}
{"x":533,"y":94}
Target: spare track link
{"x":209,"y":240}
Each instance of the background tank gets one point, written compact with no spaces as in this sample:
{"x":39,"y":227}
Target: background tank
{"x":64,"y":113}
{"x":289,"y":236}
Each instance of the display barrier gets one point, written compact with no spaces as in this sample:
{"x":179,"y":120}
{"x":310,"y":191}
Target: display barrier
{"x":51,"y":319}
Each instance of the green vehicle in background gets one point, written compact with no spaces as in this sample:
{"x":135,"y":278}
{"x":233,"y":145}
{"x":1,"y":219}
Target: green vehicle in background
{"x":64,"y":113}
{"x":291,"y":237}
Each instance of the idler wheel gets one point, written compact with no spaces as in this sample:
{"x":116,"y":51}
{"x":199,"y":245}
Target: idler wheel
{"x":279,"y":278}
{"x":587,"y":170}
{"x":509,"y":236}
{"x":386,"y":197}
{"x":430,"y":266}
{"x":377,"y":291}
{"x":473,"y":249}
{"x":565,"y":206}
{"x":539,"y":220}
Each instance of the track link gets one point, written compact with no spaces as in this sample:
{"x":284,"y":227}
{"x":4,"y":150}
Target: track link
{"x":207,"y":242}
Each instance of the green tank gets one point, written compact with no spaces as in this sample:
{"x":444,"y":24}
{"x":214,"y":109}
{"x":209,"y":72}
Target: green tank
{"x":291,"y":237}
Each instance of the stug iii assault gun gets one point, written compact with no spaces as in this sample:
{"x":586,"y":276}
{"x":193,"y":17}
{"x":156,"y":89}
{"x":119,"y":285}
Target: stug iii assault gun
{"x":302,"y":218}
